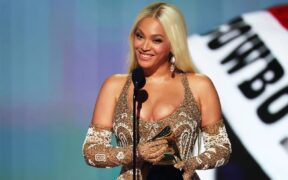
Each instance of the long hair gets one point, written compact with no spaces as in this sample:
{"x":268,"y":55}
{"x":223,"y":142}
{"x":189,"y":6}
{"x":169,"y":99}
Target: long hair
{"x":174,"y":26}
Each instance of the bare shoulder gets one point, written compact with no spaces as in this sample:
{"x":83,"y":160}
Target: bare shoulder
{"x":116,"y":79}
{"x":199,"y":81}
{"x":106,"y":100}
{"x":114,"y":83}
{"x":207,"y":98}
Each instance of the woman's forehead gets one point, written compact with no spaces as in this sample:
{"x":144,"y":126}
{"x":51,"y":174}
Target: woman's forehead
{"x":151,"y":25}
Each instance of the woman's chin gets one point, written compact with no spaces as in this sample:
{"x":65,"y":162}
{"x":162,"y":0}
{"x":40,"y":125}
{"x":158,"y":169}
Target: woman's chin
{"x":145,"y":64}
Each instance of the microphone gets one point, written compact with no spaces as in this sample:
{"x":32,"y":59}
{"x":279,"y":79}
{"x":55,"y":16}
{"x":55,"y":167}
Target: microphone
{"x":138,"y":78}
{"x":139,"y":82}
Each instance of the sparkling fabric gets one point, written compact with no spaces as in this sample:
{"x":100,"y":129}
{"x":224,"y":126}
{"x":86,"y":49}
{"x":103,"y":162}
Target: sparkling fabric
{"x":217,"y":148}
{"x":185,"y":122}
{"x":98,"y":151}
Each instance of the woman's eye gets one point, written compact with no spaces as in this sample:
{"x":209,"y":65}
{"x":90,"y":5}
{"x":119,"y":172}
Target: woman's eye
{"x":138,"y":36}
{"x":157,"y":41}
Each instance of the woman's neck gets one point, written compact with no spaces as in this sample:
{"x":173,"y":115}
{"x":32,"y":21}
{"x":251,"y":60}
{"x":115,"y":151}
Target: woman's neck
{"x":161,"y":73}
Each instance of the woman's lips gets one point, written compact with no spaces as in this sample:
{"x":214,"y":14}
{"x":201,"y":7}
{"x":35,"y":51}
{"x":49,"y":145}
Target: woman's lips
{"x":145,"y":56}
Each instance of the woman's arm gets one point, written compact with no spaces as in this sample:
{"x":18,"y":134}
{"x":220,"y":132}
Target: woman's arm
{"x":97,"y":148}
{"x":216,"y":142}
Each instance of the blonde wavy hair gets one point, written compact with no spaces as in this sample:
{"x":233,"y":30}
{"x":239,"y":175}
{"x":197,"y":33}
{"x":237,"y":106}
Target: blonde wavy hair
{"x":174,"y":26}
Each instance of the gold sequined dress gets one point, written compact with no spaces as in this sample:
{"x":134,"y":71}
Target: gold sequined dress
{"x":185,"y":122}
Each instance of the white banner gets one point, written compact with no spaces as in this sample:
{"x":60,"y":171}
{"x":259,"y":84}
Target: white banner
{"x":247,"y":59}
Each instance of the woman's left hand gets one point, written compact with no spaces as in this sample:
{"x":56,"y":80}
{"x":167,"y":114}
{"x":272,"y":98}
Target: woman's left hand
{"x":183,"y":166}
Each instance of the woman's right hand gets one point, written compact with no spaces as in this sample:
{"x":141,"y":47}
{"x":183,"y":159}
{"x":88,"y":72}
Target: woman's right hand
{"x":153,"y":151}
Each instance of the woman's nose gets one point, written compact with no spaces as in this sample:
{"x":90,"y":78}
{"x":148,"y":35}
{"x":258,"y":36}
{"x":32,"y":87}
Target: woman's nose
{"x":146,"y":45}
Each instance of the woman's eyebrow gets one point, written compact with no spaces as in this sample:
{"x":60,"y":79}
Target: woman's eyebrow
{"x":153,"y":35}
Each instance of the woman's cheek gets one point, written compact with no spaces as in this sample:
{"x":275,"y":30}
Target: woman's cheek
{"x":137,"y":43}
{"x":161,"y":49}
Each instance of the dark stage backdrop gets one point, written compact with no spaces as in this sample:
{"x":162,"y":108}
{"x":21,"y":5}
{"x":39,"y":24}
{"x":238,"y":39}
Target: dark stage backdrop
{"x":55,"y":54}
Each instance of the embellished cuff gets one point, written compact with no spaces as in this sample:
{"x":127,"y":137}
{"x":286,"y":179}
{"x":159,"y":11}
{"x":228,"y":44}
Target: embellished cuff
{"x":217,"y":148}
{"x":98,"y":151}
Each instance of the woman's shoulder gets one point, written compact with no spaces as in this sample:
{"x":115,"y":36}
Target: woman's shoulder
{"x":115,"y":82}
{"x":201,"y":85}
{"x":201,"y":81}
{"x":116,"y":79}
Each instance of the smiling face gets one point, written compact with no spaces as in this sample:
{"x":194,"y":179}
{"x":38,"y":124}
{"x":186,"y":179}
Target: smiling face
{"x":151,"y":45}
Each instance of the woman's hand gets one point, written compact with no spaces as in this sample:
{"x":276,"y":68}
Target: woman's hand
{"x":153,"y":151}
{"x":188,"y":170}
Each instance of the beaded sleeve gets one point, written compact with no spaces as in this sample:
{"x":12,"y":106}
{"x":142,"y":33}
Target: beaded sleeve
{"x":217,"y":148}
{"x":98,"y":151}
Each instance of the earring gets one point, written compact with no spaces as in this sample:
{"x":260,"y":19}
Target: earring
{"x":172,"y":61}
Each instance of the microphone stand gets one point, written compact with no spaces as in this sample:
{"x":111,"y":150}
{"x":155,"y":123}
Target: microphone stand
{"x":135,"y":133}
{"x":139,"y":81}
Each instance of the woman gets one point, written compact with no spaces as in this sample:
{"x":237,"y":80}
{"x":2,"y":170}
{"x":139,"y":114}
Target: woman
{"x":174,"y":96}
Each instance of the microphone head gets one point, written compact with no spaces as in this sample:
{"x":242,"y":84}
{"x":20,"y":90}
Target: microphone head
{"x":138,"y":78}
